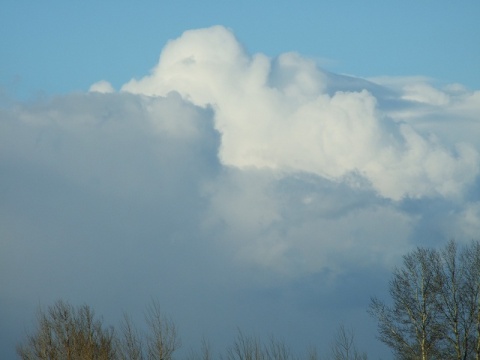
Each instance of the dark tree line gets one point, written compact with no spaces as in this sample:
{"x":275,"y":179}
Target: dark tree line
{"x":435,"y":308}
{"x":65,"y":332}
{"x":434,"y":314}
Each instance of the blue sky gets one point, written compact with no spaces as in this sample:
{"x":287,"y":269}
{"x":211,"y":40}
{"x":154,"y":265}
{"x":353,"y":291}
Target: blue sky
{"x":63,"y":47}
{"x":253,"y":165}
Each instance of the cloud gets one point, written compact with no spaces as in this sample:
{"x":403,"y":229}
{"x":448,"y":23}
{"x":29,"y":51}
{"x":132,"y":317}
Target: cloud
{"x":297,"y":225}
{"x":234,"y":183}
{"x":279,"y":114}
{"x":115,"y":142}
{"x":276,"y":162}
{"x":102,"y":197}
{"x":102,"y":86}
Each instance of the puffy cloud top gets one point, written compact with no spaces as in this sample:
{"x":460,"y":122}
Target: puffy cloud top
{"x":102,"y":86}
{"x":287,"y":114}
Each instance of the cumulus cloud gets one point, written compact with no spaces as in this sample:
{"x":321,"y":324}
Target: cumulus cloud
{"x":298,"y":225}
{"x":219,"y":165}
{"x":102,"y":86}
{"x":241,"y":137}
{"x":282,"y":114}
{"x":115,"y":142}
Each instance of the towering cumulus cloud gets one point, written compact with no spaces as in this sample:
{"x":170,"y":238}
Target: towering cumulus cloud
{"x":239,"y":185}
{"x":288,"y":115}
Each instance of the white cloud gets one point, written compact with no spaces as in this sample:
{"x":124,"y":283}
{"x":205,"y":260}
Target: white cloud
{"x":279,"y":114}
{"x":102,"y":86}
{"x":467,"y":222}
{"x":245,"y":127}
{"x":222,"y":173}
{"x":297,"y":225}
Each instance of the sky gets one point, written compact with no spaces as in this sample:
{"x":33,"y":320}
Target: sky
{"x":260,"y":166}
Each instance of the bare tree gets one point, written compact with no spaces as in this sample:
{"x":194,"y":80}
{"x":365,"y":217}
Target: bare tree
{"x":344,"y":347}
{"x":162,"y":340}
{"x":205,"y":351}
{"x":277,"y":350}
{"x":65,"y":332}
{"x":436,"y":305}
{"x":251,"y":348}
{"x":159,"y":342}
{"x":457,"y":301}
{"x":411,"y":326}
{"x":470,"y":259}
{"x":68,"y":333}
{"x":129,"y":344}
{"x":245,"y":348}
